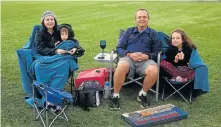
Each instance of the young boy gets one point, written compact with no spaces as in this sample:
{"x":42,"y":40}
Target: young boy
{"x":67,"y":36}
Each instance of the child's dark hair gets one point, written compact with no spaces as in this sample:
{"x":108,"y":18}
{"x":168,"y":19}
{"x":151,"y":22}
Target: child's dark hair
{"x":185,"y":38}
{"x":64,"y":29}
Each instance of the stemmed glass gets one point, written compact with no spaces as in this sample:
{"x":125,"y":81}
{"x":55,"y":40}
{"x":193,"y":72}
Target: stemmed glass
{"x":103,"y":46}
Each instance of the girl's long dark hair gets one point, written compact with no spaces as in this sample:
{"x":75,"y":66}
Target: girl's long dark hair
{"x":185,"y":38}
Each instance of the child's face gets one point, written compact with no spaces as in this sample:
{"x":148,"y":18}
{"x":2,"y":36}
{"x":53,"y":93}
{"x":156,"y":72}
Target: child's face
{"x":64,"y":36}
{"x":177,"y":40}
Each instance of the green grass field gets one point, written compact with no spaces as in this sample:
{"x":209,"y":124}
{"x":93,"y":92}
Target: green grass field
{"x":94,"y":21}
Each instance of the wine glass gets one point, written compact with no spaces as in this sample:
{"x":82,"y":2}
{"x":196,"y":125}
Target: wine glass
{"x":103,"y":46}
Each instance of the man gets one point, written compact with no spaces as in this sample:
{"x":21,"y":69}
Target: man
{"x":138,"y":48}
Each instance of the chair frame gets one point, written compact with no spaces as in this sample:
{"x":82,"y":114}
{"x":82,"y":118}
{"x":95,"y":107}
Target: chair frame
{"x":177,"y":90}
{"x":71,"y":83}
{"x":39,"y":112}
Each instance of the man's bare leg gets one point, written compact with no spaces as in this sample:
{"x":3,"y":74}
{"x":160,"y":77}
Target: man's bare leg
{"x":151,"y":73}
{"x":119,"y":75}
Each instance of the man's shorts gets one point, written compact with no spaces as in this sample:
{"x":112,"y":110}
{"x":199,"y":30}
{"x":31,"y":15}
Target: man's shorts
{"x":137,"y":67}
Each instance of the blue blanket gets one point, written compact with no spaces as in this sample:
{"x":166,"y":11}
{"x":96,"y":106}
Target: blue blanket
{"x":54,"y":70}
{"x":201,"y":81}
{"x":25,"y":59}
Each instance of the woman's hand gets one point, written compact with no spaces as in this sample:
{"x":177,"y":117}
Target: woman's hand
{"x":56,"y":43}
{"x":61,"y":51}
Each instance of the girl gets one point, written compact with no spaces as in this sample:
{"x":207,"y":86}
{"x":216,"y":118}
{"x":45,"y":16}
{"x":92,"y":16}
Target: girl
{"x":177,"y":57}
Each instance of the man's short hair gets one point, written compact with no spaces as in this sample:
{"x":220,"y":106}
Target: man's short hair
{"x":142,"y":9}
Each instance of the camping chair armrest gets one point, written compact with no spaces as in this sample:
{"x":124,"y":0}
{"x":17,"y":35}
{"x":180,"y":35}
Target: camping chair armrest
{"x":159,"y":56}
{"x":114,"y":51}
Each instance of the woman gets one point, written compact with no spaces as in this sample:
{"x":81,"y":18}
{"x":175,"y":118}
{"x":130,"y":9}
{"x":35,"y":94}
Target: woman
{"x":47,"y":37}
{"x":53,"y":65}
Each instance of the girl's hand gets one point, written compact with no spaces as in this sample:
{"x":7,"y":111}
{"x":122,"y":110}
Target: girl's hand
{"x":176,"y":58}
{"x":181,"y":56}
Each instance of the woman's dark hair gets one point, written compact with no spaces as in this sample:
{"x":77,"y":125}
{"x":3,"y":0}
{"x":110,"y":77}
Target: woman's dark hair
{"x":185,"y":38}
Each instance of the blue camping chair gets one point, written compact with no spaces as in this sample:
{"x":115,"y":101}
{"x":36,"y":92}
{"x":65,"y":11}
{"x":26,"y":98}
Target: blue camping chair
{"x":26,"y":57}
{"x":54,"y":96}
{"x":200,"y":83}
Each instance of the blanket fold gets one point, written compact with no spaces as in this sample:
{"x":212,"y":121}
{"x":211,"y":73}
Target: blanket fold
{"x":201,"y":81}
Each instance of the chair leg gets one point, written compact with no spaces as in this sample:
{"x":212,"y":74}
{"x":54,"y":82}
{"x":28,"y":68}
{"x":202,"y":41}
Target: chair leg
{"x":178,"y":91}
{"x":33,"y":95}
{"x":191,"y":92}
{"x":158,"y":76}
{"x":46,"y":112}
{"x":162,"y":97}
{"x":72,"y":82}
{"x":59,"y":115}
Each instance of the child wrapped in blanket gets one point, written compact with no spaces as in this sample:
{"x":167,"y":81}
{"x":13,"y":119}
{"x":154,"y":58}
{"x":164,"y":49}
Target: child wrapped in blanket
{"x":68,"y":42}
{"x":71,"y":46}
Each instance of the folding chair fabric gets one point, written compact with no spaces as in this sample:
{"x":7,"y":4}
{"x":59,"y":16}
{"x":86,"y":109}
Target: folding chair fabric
{"x":53,"y":96}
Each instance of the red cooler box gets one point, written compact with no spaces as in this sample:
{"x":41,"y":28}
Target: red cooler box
{"x":95,"y":74}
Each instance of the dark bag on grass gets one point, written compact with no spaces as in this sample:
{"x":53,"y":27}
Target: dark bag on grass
{"x":87,"y":95}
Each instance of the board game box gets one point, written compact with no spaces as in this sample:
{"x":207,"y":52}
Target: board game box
{"x":154,"y":116}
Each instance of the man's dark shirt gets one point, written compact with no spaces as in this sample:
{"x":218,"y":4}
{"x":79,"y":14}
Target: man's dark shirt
{"x":146,"y":42}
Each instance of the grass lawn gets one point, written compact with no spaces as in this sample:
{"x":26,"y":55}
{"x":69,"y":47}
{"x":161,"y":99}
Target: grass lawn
{"x":94,"y":21}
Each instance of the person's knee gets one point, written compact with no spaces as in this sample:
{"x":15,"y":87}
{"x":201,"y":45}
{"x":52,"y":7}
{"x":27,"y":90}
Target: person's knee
{"x":151,"y":70}
{"x":123,"y":67}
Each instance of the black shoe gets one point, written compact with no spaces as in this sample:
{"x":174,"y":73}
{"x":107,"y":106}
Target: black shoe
{"x":114,"y":103}
{"x":144,"y":101}
{"x":53,"y":108}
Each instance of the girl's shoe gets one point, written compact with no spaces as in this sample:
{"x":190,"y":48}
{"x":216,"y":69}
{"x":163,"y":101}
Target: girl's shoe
{"x":173,"y":79}
{"x":180,"y":79}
